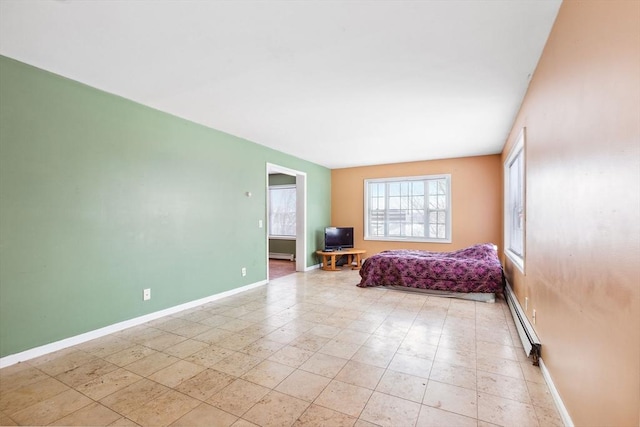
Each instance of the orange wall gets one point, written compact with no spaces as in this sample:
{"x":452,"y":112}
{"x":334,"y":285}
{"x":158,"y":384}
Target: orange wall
{"x":476,"y":185}
{"x":582,"y":274}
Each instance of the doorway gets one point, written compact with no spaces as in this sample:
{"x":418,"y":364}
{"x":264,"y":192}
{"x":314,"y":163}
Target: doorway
{"x":300,"y":214}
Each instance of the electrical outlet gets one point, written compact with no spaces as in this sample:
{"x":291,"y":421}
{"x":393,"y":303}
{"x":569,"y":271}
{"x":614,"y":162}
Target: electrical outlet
{"x":146,"y":294}
{"x":534,"y":316}
{"x":526,"y":303}
{"x":243,"y":271}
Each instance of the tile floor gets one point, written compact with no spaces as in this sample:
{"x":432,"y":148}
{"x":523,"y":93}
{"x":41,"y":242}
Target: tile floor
{"x":308,"y":349}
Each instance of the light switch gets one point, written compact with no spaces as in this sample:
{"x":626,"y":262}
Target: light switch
{"x":259,"y":223}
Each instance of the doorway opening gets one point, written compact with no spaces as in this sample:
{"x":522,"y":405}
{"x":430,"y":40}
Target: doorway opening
{"x":291,"y":238}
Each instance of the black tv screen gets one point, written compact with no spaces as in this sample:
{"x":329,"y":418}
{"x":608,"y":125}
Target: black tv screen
{"x":336,"y":238}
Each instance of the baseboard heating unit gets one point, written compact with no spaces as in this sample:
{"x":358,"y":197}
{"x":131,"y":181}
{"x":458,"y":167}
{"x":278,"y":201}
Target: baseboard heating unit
{"x":528,"y":336}
{"x":278,"y":255}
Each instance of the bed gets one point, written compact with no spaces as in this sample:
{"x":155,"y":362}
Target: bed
{"x":471,"y":273}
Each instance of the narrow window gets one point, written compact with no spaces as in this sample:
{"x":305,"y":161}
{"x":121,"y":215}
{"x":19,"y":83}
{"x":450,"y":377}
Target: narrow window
{"x":282,"y":211}
{"x":414,"y":209}
{"x":514,"y":203}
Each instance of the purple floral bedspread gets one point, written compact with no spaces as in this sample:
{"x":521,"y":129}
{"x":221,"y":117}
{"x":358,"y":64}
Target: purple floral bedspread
{"x":473,"y":269}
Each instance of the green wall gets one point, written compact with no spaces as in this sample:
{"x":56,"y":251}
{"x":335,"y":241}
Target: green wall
{"x":101,"y":197}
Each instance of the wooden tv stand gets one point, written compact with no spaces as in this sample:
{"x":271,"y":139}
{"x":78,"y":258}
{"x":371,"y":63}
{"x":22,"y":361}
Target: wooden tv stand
{"x":350,"y":253}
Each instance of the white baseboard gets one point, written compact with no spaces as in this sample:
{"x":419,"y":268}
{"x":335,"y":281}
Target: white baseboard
{"x":562,"y":410}
{"x":313,"y":267}
{"x":88,"y":336}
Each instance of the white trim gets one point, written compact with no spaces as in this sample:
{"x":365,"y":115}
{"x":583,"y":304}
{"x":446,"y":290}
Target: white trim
{"x":313,"y":267}
{"x":562,"y":410}
{"x":97,"y":333}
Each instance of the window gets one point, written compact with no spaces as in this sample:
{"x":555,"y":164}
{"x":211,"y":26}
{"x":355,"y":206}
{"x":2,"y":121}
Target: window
{"x":408,"y":209}
{"x":282,"y":210}
{"x":514,"y":192}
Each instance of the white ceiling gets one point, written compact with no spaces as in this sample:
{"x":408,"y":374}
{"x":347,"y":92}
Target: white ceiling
{"x":338,"y":83}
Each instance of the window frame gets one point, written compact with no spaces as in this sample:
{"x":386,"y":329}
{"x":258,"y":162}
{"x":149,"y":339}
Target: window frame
{"x":517,"y":153}
{"x":409,"y":179}
{"x":269,"y":224}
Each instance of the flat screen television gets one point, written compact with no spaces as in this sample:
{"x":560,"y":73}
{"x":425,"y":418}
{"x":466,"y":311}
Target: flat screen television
{"x":336,"y":238}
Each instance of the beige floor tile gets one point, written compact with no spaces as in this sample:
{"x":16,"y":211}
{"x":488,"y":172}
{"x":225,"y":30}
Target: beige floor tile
{"x":164,"y":409}
{"x":238,"y":397}
{"x":500,"y":411}
{"x":175,"y":374}
{"x":532,"y":373}
{"x":87,"y":372}
{"x":150,"y":364}
{"x":20,"y":398}
{"x":423,"y":350}
{"x":291,"y":356}
{"x":192,"y":330}
{"x":390,"y":411}
{"x":18,"y":377}
{"x":268,"y":373}
{"x":62,"y":361}
{"x":402,"y":385}
{"x":130,"y":398}
{"x":362,"y":423}
{"x":262,"y":348}
{"x":503,"y":386}
{"x":236,"y":364}
{"x":215,"y":320}
{"x":375,"y":357}
{"x":91,"y":415}
{"x":303,"y":385}
{"x":282,"y":336}
{"x":213,"y":336}
{"x":494,"y":365}
{"x":109,"y":383}
{"x":52,"y":409}
{"x":316,"y":416}
{"x":163,"y":341}
{"x":236,"y":325}
{"x":364,"y":326}
{"x":451,"y":398}
{"x":465,"y":359}
{"x":310,"y":342}
{"x":411,"y":365}
{"x":540,"y":395}
{"x":381,"y":342}
{"x":454,"y":375}
{"x":244,"y":423}
{"x":351,"y":336}
{"x":342,"y":397}
{"x":276,"y":409}
{"x":123,"y":422}
{"x":325,"y":331}
{"x":205,"y":384}
{"x":237,"y":341}
{"x":548,"y":417}
{"x":360,"y":374}
{"x":6,"y":420}
{"x":170,"y":323}
{"x":130,"y":355}
{"x":105,"y":346}
{"x":324,"y":364}
{"x":345,"y":350}
{"x":497,"y":350}
{"x":209,"y":356}
{"x":434,"y":417}
{"x":185,"y":348}
{"x":206,"y":416}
